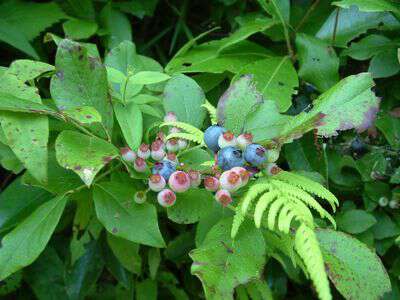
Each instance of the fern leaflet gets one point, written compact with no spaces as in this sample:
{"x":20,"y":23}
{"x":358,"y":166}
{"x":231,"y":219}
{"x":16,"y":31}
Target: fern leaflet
{"x":191,"y":133}
{"x":212,"y":111}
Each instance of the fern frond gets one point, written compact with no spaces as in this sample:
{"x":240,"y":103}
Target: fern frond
{"x":253,"y":192}
{"x":309,"y":186}
{"x":212,"y":112}
{"x":185,"y":136}
{"x":300,"y":194}
{"x":262,"y":205}
{"x":195,"y":134}
{"x":306,"y":245}
{"x":273,"y":212}
{"x":238,"y":219}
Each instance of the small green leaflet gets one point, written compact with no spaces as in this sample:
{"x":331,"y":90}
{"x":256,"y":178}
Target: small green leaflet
{"x":148,"y":77}
{"x":237,"y":103}
{"x":83,"y":154}
{"x":25,"y":69}
{"x":130,"y":120}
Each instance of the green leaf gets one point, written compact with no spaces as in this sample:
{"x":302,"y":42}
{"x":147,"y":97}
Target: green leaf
{"x":14,"y":103}
{"x":370,"y":5}
{"x":351,"y":23}
{"x":319,"y":64}
{"x":194,"y":159}
{"x":389,"y":126}
{"x":191,"y":206}
{"x":184,"y":97}
{"x":275,"y":78}
{"x":148,"y":77}
{"x":118,"y":212}
{"x":385,"y":227}
{"x":384,"y":64}
{"x":85,"y":155}
{"x":146,"y":290}
{"x":355,"y":221}
{"x":237,"y":103}
{"x":123,"y":57}
{"x":354,"y":269}
{"x":116,"y":24}
{"x":78,"y":29}
{"x":127,"y":253}
{"x":83,"y":114}
{"x":222,"y":264}
{"x":130,"y":120}
{"x":17,"y":201}
{"x":154,"y":259}
{"x":81,"y":80}
{"x":25,"y":242}
{"x":25,"y":69}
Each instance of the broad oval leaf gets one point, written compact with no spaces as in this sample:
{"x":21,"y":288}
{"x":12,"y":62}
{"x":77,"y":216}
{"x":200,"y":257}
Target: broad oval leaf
{"x":130,"y":120}
{"x":25,"y":69}
{"x":25,"y":242}
{"x":184,"y":97}
{"x":148,"y":77}
{"x":354,"y":269}
{"x":83,"y":154}
{"x":355,"y":221}
{"x":222,"y":264}
{"x":123,"y":217}
{"x":275,"y":78}
{"x":83,"y":114}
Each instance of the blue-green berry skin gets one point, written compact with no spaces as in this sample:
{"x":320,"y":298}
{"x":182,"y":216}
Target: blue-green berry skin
{"x":211,"y":136}
{"x":254,"y":154}
{"x":230,"y":157}
{"x":164,"y":168}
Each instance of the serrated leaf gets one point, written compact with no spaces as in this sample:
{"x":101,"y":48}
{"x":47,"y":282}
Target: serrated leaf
{"x":25,"y":69}
{"x":319,"y":64}
{"x":81,"y":80}
{"x":354,"y":269}
{"x":184,"y":97}
{"x":25,"y":242}
{"x":275,"y":78}
{"x":83,"y":154}
{"x":130,"y":120}
{"x":118,"y":212}
{"x":222,"y":264}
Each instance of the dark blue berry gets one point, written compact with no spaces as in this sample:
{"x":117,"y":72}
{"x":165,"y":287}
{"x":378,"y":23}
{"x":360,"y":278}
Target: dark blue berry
{"x":230,"y":157}
{"x":255,"y":154}
{"x":164,"y":168}
{"x":211,"y":136}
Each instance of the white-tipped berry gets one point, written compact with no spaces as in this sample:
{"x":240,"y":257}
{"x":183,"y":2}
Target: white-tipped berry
{"x":127,"y":154}
{"x":174,"y":130}
{"x":157,"y":150}
{"x":140,"y":197}
{"x":244,"y":140}
{"x":394,"y":204}
{"x":166,"y":198}
{"x":160,"y":136}
{"x":172,"y":145}
{"x":230,"y":180}
{"x":227,"y":139}
{"x":170,"y":117}
{"x":179,"y":182}
{"x":140,"y":165}
{"x":195,"y":178}
{"x":272,"y":155}
{"x":211,"y":183}
{"x":272,"y":169}
{"x":383,"y":201}
{"x":156,"y":182}
{"x":144,"y":151}
{"x":244,"y":174}
{"x":182,"y":144}
{"x":223,"y":197}
{"x":172,"y":158}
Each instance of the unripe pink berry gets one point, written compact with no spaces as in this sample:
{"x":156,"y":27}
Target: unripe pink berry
{"x":166,"y":198}
{"x":170,"y":117}
{"x":195,"y":178}
{"x":161,"y":136}
{"x":157,"y":182}
{"x":140,"y":197}
{"x":182,"y":144}
{"x":227,"y":139}
{"x":127,"y":154}
{"x":211,"y":183}
{"x":143,"y":151}
{"x":140,"y":165}
{"x":157,"y":150}
{"x":244,"y":174}
{"x":272,"y":155}
{"x":223,"y":197}
{"x":244,"y":140}
{"x":272,"y":169}
{"x":172,"y":157}
{"x":230,"y":181}
{"x":179,"y":182}
{"x":172,"y":145}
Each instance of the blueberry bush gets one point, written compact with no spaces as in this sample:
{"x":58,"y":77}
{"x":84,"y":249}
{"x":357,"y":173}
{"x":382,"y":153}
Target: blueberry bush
{"x":219,"y":149}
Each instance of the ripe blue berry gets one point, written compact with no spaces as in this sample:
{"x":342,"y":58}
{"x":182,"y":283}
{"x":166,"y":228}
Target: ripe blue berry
{"x":255,"y":154}
{"x":230,"y":157}
{"x":164,"y":168}
{"x":211,"y":136}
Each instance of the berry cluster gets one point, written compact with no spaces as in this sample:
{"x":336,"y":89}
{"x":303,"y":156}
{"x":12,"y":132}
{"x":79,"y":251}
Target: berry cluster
{"x":239,"y":159}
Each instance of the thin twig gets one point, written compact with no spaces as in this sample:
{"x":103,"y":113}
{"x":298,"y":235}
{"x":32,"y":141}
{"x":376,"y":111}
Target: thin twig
{"x":336,"y":25}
